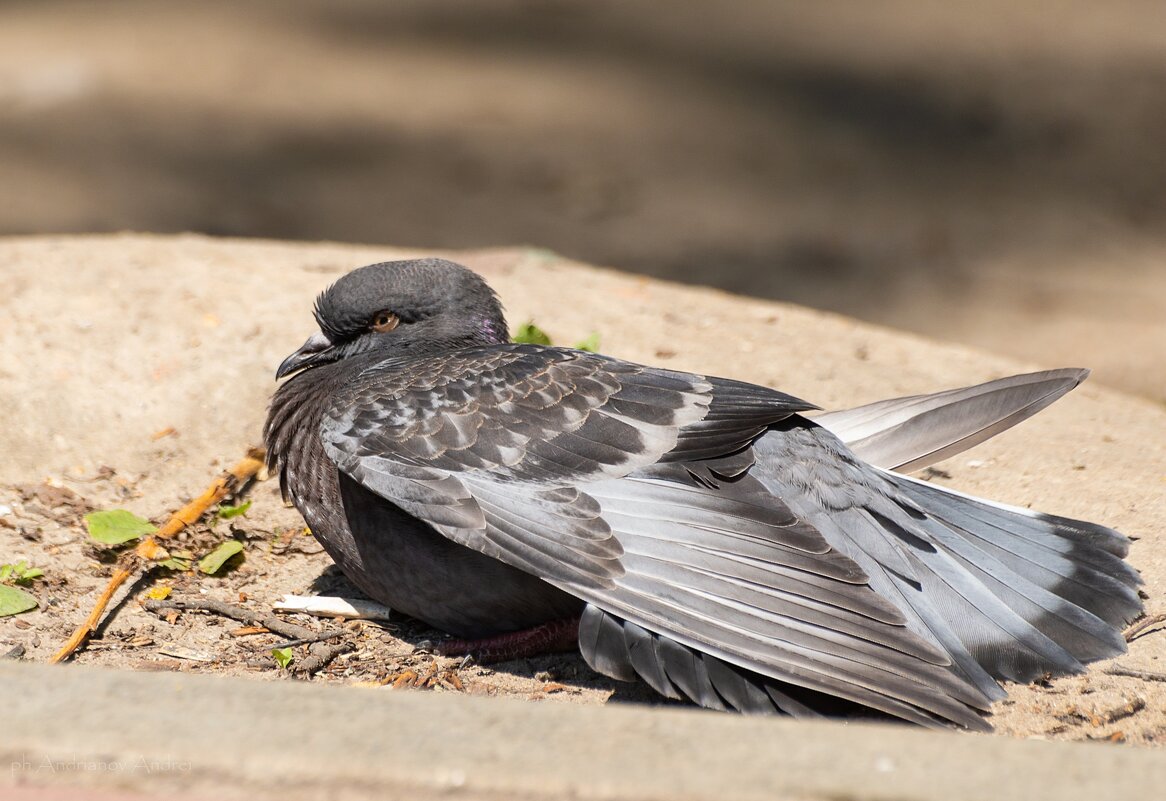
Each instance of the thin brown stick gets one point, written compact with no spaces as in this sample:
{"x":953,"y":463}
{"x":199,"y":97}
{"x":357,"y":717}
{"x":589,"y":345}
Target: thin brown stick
{"x":148,"y":549}
{"x":83,"y":631}
{"x":323,"y":636}
{"x":1143,"y":625}
{"x":275,"y":624}
{"x":1144,"y":675}
{"x":319,"y":654}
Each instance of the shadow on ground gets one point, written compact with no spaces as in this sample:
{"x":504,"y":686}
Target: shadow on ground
{"x":967,"y":173}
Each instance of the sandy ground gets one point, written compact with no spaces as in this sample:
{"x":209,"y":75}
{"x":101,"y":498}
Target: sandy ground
{"x":134,"y":368}
{"x":988,"y":173}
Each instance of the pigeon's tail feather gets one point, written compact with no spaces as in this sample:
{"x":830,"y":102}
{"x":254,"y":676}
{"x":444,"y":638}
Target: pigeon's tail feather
{"x":1025,"y":593}
{"x":1007,"y":593}
{"x":910,"y":433}
{"x":626,"y":651}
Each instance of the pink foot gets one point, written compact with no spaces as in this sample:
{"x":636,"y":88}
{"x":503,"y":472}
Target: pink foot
{"x":555,"y":637}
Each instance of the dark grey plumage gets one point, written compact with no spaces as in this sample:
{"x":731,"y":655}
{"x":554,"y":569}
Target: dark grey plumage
{"x":719,"y":545}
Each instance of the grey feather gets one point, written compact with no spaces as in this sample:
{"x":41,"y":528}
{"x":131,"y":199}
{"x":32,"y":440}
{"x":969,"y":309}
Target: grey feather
{"x":912,"y":432}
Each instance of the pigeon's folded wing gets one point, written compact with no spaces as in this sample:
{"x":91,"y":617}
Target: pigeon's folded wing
{"x":628,"y":487}
{"x":492,"y":445}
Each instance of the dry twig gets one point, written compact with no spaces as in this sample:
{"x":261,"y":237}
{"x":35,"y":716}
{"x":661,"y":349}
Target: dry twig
{"x":234,"y":612}
{"x":1143,"y":625}
{"x":321,"y":637}
{"x":148,"y":549}
{"x":319,"y":655}
{"x":1144,"y":675}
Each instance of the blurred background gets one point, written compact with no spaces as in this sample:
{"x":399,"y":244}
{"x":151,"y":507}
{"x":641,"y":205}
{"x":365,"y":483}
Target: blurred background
{"x":990,"y":173}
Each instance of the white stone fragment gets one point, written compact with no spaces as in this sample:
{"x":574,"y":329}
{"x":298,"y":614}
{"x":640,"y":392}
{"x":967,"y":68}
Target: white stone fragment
{"x":331,"y":606}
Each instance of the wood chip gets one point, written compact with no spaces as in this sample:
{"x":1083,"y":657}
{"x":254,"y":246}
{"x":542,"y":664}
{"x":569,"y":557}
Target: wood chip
{"x":247,"y":631}
{"x":1131,"y":707}
{"x":404,"y":679}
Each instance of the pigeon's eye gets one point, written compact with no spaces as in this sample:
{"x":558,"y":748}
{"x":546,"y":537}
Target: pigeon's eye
{"x":383,"y":322}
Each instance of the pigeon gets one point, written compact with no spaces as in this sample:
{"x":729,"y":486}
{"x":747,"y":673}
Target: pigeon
{"x":704,"y":535}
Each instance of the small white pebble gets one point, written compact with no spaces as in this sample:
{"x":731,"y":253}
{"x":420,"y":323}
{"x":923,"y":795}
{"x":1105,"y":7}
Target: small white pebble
{"x":5,"y":509}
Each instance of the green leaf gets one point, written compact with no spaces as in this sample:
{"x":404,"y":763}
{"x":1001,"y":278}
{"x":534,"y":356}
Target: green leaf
{"x":213,"y":562}
{"x":282,"y":656}
{"x":115,"y":526}
{"x":590,"y":344}
{"x":174,"y":560}
{"x":178,"y":563}
{"x":14,"y":601}
{"x":530,"y":334}
{"x":26,"y":576}
{"x":19,"y":573}
{"x":227,"y":512}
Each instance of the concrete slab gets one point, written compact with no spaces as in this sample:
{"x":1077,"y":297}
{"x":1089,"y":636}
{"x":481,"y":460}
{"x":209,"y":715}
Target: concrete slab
{"x":219,"y":737}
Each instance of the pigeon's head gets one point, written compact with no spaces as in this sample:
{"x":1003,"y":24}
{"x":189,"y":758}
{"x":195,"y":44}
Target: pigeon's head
{"x":399,"y":308}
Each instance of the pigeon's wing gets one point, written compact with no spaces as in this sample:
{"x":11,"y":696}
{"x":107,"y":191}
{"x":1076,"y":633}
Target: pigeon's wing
{"x":708,"y":604}
{"x":729,"y":598}
{"x":910,"y":433}
{"x":492,"y":445}
{"x":629,"y":487}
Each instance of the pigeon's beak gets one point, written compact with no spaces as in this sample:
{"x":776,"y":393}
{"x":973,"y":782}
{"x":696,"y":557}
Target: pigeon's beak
{"x":309,"y":354}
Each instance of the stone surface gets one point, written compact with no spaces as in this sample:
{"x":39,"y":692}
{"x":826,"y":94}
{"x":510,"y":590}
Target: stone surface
{"x":154,"y":356}
{"x":230,"y":738}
